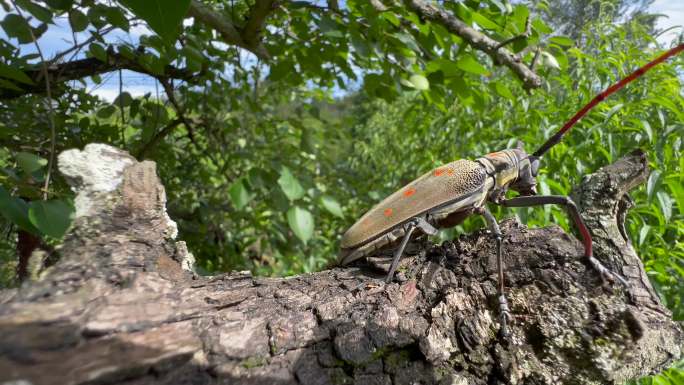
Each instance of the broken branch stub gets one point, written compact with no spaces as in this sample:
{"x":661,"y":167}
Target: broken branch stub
{"x":118,"y":308}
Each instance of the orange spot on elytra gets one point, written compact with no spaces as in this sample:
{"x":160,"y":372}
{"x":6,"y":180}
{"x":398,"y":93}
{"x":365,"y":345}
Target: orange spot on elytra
{"x":388,"y":212}
{"x":450,"y":171}
{"x":409,"y":192}
{"x":439,"y":172}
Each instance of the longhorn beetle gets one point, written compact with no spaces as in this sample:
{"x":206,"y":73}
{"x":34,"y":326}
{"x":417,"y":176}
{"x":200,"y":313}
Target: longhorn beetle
{"x":446,"y":195}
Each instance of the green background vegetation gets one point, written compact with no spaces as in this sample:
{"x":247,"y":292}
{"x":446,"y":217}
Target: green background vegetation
{"x":267,"y":161}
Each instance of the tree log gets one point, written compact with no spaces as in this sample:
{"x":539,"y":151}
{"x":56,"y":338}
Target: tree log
{"x":119,"y":306}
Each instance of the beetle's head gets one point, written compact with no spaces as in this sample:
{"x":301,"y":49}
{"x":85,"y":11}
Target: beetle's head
{"x":514,"y":169}
{"x":528,"y":168}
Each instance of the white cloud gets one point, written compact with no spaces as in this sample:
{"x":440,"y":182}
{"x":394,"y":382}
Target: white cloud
{"x":673,"y":16}
{"x":109,"y":94}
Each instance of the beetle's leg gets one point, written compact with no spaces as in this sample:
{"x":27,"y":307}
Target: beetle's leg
{"x":504,"y":312}
{"x":409,"y":227}
{"x":527,"y":201}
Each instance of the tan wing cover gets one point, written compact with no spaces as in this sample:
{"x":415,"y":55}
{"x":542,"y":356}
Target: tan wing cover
{"x":437,"y":187}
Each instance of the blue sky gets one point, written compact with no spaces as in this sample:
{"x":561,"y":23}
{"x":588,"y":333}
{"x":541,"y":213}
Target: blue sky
{"x":59,"y":38}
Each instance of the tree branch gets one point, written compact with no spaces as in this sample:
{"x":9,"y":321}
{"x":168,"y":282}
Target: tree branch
{"x":477,"y":40}
{"x":79,"y":69}
{"x":119,"y":300}
{"x":249,"y":39}
{"x":255,"y":23}
{"x":158,"y":137}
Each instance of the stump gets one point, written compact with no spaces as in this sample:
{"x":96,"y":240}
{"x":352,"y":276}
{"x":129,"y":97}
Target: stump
{"x":121,"y":305}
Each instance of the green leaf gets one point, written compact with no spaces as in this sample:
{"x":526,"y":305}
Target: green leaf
{"x":660,"y":380}
{"x":98,"y":52}
{"x":163,"y":16}
{"x":239,"y":195}
{"x":562,"y":41}
{"x":116,"y":17}
{"x":301,"y":222}
{"x":9,"y":85}
{"x":41,"y":13}
{"x":613,"y":111}
{"x":418,"y":82}
{"x":60,"y":4}
{"x":51,"y":217}
{"x":123,"y":100}
{"x":549,"y":60}
{"x":652,"y":183}
{"x":30,"y":162}
{"x":665,"y":204}
{"x":14,"y":73}
{"x":391,"y":17}
{"x":500,"y":6}
{"x":290,"y":185}
{"x":330,"y":28}
{"x":15,"y":210}
{"x":97,"y":15}
{"x":469,"y":64}
{"x":643,"y":233}
{"x":447,"y":67}
{"x":17,"y":27}
{"x":333,"y":207}
{"x":520,"y":14}
{"x":541,"y":27}
{"x":484,"y":22}
{"x":678,"y":191}
{"x":78,"y":20}
{"x":106,"y":112}
{"x":502,"y":90}
{"x":648,"y":129}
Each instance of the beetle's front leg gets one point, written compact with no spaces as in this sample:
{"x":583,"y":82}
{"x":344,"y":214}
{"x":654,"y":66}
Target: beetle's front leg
{"x":504,"y":312}
{"x":527,"y":201}
{"x":409,"y":227}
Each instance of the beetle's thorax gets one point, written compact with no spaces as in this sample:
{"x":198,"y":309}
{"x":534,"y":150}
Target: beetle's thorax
{"x":509,"y":168}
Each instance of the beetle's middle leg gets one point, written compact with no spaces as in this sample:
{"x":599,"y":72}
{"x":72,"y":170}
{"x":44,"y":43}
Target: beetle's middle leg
{"x":409,"y":227}
{"x":504,"y":312}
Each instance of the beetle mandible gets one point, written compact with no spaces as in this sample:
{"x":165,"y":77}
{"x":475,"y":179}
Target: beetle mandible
{"x":446,"y":195}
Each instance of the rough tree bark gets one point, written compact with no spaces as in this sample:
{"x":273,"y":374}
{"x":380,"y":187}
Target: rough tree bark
{"x":119,"y":308}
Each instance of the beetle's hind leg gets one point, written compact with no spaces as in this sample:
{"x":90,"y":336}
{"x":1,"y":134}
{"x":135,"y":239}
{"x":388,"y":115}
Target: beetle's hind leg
{"x":411,"y":225}
{"x":504,"y":312}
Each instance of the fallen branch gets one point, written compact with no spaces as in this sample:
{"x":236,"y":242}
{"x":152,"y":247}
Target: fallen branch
{"x":119,"y":308}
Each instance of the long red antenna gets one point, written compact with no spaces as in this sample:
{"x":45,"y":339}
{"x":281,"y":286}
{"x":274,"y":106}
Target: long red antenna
{"x":598,"y":98}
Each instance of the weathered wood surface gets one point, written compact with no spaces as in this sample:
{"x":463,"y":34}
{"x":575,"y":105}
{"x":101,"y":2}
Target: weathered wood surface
{"x":118,"y":307}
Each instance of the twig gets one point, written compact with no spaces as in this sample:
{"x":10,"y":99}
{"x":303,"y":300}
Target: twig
{"x":121,"y":106}
{"x":158,"y":137}
{"x":535,"y":59}
{"x":524,"y":35}
{"x":51,"y":113}
{"x":77,"y":46}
